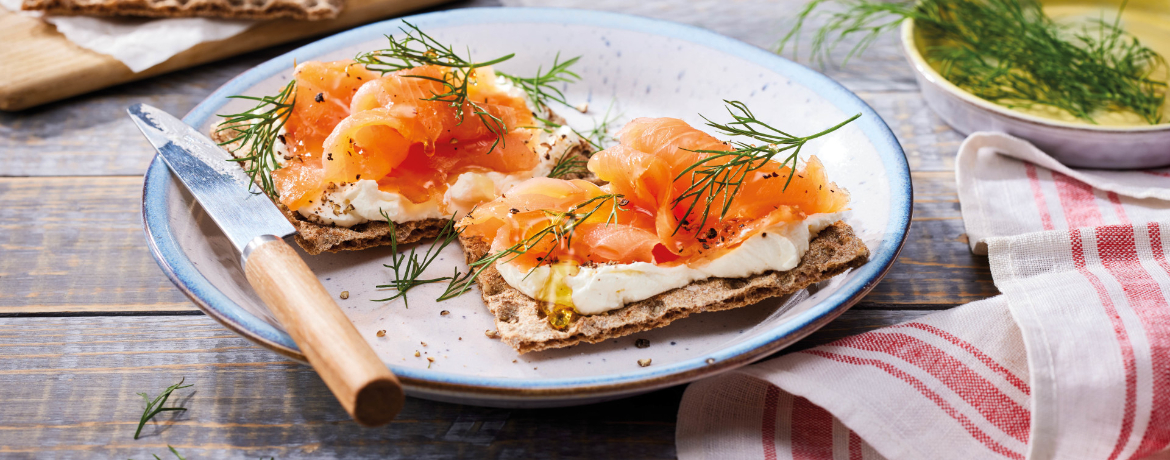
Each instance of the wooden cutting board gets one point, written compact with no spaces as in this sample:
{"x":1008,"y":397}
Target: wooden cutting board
{"x":39,"y":65}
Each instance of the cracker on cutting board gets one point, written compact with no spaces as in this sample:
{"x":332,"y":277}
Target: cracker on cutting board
{"x":316,"y":238}
{"x":521,"y":323}
{"x":233,"y":9}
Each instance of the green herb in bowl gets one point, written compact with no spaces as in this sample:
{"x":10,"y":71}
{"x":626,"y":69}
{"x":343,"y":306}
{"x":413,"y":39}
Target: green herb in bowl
{"x":1012,"y":53}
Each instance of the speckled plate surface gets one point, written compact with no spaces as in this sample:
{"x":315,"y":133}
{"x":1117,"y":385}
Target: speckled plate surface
{"x":645,"y":68}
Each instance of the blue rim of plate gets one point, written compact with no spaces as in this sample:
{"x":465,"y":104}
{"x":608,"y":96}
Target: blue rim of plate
{"x":186,"y":276}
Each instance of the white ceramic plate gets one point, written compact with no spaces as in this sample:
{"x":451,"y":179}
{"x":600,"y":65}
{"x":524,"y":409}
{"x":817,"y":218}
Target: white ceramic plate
{"x":650,"y":68}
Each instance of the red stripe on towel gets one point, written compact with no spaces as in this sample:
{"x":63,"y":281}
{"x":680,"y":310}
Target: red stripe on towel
{"x":966,"y":423}
{"x":986,"y":398}
{"x":812,"y":431}
{"x":1117,"y":247}
{"x":977,"y":353}
{"x":1078,"y":253}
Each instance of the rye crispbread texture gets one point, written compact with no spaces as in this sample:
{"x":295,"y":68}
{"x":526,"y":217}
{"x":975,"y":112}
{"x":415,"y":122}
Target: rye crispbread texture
{"x":316,"y":238}
{"x":232,"y":9}
{"x":521,"y":323}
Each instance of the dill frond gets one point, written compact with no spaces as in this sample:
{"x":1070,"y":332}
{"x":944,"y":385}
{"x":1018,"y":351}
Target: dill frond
{"x":540,"y":89}
{"x":561,"y":225}
{"x":569,"y":164}
{"x":599,"y":137}
{"x":719,"y":177}
{"x":257,"y":129}
{"x":1010,"y":53}
{"x":417,"y":48}
{"x":173,"y":451}
{"x":156,"y":406}
{"x":409,"y":267}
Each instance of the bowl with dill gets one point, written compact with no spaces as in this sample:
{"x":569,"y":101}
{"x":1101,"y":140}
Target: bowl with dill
{"x":1083,"y":80}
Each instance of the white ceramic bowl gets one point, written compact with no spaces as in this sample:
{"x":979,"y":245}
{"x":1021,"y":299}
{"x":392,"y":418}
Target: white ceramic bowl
{"x":1074,"y":144}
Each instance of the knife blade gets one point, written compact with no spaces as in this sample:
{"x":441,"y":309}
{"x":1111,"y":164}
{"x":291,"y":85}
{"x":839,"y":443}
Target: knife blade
{"x":220,"y":186}
{"x":363,"y":385}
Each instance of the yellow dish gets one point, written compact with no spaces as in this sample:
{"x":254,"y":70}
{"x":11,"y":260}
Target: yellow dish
{"x":1119,"y":140}
{"x":1148,"y":20}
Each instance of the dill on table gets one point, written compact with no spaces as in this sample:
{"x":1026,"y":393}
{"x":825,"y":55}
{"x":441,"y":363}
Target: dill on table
{"x":409,"y":267}
{"x":257,"y":130}
{"x":173,"y":451}
{"x":717,"y":178}
{"x":1011,"y":53}
{"x":156,"y":406}
{"x":560,"y":228}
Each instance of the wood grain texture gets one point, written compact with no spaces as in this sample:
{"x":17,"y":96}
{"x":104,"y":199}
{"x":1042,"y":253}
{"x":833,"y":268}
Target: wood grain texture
{"x":75,"y":244}
{"x":25,"y":80}
{"x":342,"y":357}
{"x":69,"y":384}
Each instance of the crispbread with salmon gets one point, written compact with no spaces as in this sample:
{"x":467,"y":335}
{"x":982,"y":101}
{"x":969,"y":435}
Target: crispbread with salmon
{"x":316,"y":238}
{"x":521,"y":323}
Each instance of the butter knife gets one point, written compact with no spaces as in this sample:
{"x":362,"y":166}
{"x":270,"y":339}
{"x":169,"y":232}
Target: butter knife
{"x":363,"y":385}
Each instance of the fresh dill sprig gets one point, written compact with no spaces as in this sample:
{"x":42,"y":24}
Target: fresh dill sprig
{"x":540,"y":89}
{"x":156,"y":406}
{"x":720,"y":176}
{"x":409,"y":267}
{"x":257,"y":129}
{"x":561,"y":225}
{"x":173,"y":451}
{"x":419,"y":49}
{"x":598,"y":137}
{"x":1009,"y":52}
{"x":569,"y":164}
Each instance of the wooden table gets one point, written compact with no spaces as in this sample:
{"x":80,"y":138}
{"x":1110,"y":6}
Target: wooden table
{"x":87,"y":318}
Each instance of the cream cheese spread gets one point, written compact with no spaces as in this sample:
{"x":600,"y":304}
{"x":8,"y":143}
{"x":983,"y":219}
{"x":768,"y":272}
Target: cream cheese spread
{"x":602,"y":288}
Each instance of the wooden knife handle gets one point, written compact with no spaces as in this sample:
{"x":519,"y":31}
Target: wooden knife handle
{"x":360,"y":381}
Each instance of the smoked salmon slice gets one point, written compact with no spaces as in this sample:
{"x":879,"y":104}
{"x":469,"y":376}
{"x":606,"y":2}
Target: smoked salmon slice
{"x":398,"y":129}
{"x":647,"y":174}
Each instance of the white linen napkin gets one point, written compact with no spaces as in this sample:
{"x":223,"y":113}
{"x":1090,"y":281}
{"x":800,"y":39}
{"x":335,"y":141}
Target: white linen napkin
{"x":1071,"y":362}
{"x":140,"y":43}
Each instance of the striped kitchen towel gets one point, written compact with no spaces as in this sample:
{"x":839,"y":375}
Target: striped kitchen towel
{"x":1072,"y":361}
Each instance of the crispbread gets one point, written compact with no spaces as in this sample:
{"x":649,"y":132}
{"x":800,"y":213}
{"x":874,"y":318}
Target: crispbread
{"x":234,"y":9}
{"x":521,"y":323}
{"x":316,"y":238}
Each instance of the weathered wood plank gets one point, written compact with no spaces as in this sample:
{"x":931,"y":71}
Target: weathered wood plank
{"x":936,"y":268}
{"x":930,"y":144}
{"x":75,"y":244}
{"x":68,"y":386}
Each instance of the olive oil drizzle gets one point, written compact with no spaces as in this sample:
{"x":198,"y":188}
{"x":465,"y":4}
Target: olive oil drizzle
{"x":559,"y":229}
